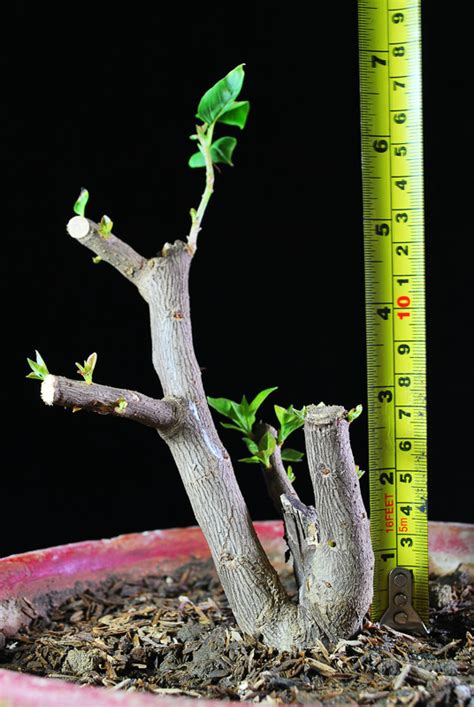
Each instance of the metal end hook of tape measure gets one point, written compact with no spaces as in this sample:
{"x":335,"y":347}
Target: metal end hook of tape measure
{"x":400,"y":613}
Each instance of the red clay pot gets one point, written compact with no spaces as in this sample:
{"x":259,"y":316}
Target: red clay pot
{"x":26,"y":578}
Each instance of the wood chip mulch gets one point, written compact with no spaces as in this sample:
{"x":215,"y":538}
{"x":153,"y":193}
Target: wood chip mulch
{"x":175,"y":635}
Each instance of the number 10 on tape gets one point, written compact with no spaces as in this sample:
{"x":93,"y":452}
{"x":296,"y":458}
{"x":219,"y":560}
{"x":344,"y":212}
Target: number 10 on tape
{"x":392,"y":174}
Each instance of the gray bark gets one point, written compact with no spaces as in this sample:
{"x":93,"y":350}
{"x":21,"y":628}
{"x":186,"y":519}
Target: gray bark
{"x":104,"y":400}
{"x":253,"y":589}
{"x":339,"y":560}
{"x":327,"y":605}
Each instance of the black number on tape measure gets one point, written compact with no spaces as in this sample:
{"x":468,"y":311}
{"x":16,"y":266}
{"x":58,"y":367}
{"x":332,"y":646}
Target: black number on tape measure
{"x":402,"y":250}
{"x":401,"y":218}
{"x":386,"y":478}
{"x":400,"y":118}
{"x":377,"y":60}
{"x":398,"y":17}
{"x":406,"y":542}
{"x":398,"y":84}
{"x":405,"y":446}
{"x":387,"y":556}
{"x":385,"y":396}
{"x":403,"y":281}
{"x":398,"y":51}
{"x":403,"y":413}
{"x":404,"y":381}
{"x":403,"y":349}
{"x":406,"y":478}
{"x":384,"y":312}
{"x":406,"y":510}
{"x":401,"y":183}
{"x":380,"y":145}
{"x":382,"y":229}
{"x":400,"y":151}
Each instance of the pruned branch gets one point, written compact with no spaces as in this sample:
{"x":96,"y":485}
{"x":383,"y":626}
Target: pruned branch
{"x":104,"y":400}
{"x":110,"y":249}
{"x":338,"y":587}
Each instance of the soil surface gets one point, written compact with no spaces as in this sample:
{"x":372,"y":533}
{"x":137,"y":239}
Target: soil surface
{"x":175,"y":634}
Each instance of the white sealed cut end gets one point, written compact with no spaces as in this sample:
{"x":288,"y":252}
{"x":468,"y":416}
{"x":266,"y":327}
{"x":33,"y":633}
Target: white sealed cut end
{"x":78,"y":227}
{"x":48,"y":388}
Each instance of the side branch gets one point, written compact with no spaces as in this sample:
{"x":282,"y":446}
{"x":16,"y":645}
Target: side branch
{"x":276,"y":478}
{"x":104,"y":400}
{"x":110,"y":249}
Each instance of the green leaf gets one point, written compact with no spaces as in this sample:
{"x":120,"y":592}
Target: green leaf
{"x":291,"y":455}
{"x":266,"y":448}
{"x":245,"y":407}
{"x":267,"y":443}
{"x":232,"y":410}
{"x":235,"y":114}
{"x":230,"y":426}
{"x":80,"y":205}
{"x":91,"y":362}
{"x":221,"y":95}
{"x":38,"y":367}
{"x":87,"y":369}
{"x":360,"y":472}
{"x":250,"y":460}
{"x":354,"y":413}
{"x":289,"y":473}
{"x":221,"y":153}
{"x":222,"y":149}
{"x":197,"y":160}
{"x":96,"y":259}
{"x":260,"y":397}
{"x":222,"y":405}
{"x":250,"y":444}
{"x":290,"y":419}
{"x":40,"y":360}
{"x":239,"y":415}
{"x":105,"y":227}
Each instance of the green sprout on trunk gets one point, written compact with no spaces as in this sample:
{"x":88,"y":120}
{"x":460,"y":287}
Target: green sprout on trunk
{"x":243,"y":417}
{"x":105,"y":227}
{"x":38,"y":367}
{"x":120,"y":405}
{"x":87,"y":369}
{"x":80,"y":205}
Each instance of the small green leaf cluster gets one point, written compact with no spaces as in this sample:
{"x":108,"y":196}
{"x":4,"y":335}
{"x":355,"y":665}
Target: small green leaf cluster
{"x":87,"y":369}
{"x":354,"y":413}
{"x":105,"y":223}
{"x":38,"y":367}
{"x":360,"y":472}
{"x":290,"y":419}
{"x":120,"y":405}
{"x":105,"y":227}
{"x":218,"y":105}
{"x":243,"y":416}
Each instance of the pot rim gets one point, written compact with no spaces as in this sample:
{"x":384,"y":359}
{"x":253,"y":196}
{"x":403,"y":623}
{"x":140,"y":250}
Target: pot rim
{"x":25,"y":578}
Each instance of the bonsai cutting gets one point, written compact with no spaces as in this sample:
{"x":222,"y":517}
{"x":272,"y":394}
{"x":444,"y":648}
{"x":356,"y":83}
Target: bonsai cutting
{"x":329,"y":540}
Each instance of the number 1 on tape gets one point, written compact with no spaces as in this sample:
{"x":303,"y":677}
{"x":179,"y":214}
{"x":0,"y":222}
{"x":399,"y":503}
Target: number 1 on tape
{"x":392,"y":175}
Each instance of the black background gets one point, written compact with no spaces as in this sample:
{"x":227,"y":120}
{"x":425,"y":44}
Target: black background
{"x":277,"y":283}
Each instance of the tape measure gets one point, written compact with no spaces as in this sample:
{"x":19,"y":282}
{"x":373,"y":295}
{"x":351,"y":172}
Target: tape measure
{"x":392,"y":175}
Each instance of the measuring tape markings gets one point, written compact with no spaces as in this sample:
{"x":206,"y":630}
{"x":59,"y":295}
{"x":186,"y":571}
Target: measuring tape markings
{"x":392,"y":163}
